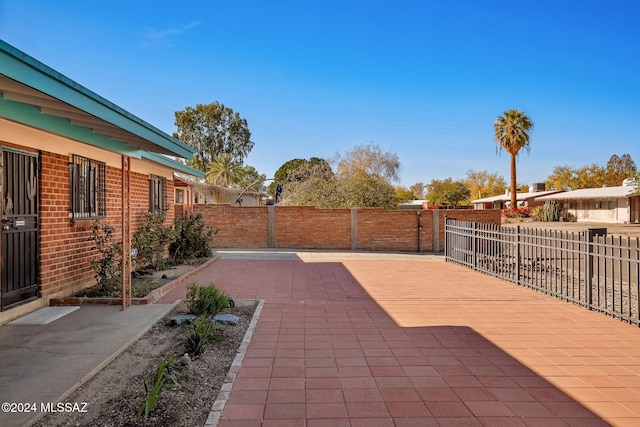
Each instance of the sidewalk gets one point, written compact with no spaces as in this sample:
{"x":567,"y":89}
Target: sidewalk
{"x":378,"y":341}
{"x":43,"y":363}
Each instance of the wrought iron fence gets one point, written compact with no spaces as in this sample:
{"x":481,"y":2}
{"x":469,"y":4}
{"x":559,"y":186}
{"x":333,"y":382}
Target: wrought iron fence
{"x":587,"y":267}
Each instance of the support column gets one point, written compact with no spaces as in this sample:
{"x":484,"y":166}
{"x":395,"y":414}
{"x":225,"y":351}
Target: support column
{"x":126,"y":232}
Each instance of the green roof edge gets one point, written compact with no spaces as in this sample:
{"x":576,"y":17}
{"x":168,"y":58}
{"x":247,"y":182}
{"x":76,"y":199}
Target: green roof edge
{"x":33,"y":73}
{"x":166,"y":161}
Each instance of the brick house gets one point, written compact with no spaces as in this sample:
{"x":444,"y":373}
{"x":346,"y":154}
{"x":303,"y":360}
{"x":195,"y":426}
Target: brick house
{"x":70,"y":157}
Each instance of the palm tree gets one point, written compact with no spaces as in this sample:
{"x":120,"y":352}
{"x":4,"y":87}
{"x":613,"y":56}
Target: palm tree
{"x":511,"y":133}
{"x":224,"y":171}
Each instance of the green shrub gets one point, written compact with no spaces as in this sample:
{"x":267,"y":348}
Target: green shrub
{"x":192,"y":238}
{"x":108,"y":266}
{"x":151,"y":240}
{"x":536,"y":213}
{"x":207,"y":300}
{"x":523,"y":212}
{"x":165,"y":377}
{"x":200,"y":332}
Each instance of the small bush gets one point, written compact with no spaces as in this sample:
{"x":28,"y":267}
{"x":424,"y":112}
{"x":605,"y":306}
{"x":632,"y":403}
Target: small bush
{"x":192,"y":238}
{"x":151,"y":240}
{"x":200,"y":333}
{"x":108,"y":267}
{"x":536,"y":213}
{"x":207,"y":300}
{"x":524,"y":212}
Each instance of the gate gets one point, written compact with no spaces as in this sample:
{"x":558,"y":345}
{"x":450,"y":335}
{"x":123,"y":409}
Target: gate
{"x":19,"y":269}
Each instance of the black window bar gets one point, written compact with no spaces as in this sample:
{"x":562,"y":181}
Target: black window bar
{"x":157,"y":194}
{"x":88,"y":188}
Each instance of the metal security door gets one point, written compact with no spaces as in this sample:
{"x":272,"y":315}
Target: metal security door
{"x":19,"y":274}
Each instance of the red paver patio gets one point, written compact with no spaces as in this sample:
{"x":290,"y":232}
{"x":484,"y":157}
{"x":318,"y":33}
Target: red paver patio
{"x":388,"y":342}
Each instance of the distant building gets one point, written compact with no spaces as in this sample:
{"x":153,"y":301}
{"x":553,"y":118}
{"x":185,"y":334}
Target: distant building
{"x":190,"y":191}
{"x":607,"y":204}
{"x":502,"y":201}
{"x":413,"y":205}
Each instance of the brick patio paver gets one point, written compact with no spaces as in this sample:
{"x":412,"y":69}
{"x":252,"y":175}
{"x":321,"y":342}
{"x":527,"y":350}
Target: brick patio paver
{"x":400,"y":342}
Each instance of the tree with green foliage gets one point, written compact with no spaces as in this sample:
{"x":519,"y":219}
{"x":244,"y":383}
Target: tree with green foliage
{"x":312,"y":184}
{"x":363,"y":179}
{"x":448,"y":193}
{"x":484,"y":184}
{"x":511,"y":134}
{"x":569,"y":178}
{"x":252,"y":179}
{"x":369,"y":159}
{"x":293,"y":166}
{"x":212,"y":130}
{"x":403,"y":194}
{"x":418,"y":190}
{"x":561,"y":178}
{"x":592,"y":176}
{"x":224,"y":171}
{"x":618,"y":169}
{"x":365,"y":190}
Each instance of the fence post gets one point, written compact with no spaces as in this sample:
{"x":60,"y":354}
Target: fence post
{"x":446,"y":240}
{"x":588,"y":262}
{"x":588,"y":267}
{"x":474,"y":256}
{"x":518,"y":255}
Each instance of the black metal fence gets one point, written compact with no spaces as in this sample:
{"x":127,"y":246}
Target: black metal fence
{"x":587,"y":267}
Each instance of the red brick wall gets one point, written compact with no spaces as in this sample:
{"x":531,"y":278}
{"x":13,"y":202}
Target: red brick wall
{"x":238,"y":226}
{"x":65,"y":248}
{"x":305,"y":227}
{"x":311,"y":228}
{"x":381,"y":230}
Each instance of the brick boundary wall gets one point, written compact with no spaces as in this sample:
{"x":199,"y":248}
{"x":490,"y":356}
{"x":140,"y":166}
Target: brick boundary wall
{"x":305,"y":227}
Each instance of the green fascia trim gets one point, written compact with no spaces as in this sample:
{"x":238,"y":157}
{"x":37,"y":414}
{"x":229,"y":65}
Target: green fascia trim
{"x":166,"y":161}
{"x":25,"y":69}
{"x":31,"y":116}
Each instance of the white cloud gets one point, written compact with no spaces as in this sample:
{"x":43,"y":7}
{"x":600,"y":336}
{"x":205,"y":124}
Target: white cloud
{"x":156,"y":37}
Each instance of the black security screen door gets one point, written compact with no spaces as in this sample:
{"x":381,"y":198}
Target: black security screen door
{"x":19,"y":273}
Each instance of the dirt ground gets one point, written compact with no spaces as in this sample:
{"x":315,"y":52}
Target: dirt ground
{"x":117,"y":392}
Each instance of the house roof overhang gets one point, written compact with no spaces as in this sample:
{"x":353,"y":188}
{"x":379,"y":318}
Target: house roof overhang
{"x":34,"y":94}
{"x":595,"y":193}
{"x":519,"y":197}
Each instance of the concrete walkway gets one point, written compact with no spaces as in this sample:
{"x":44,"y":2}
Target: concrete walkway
{"x":42,"y":362}
{"x":353,"y":340}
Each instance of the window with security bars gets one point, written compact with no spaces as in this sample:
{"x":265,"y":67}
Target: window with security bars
{"x":157,"y":194}
{"x":88,"y":188}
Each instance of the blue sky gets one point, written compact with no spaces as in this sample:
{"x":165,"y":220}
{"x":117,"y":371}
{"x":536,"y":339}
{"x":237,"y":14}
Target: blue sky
{"x":425,"y":79}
